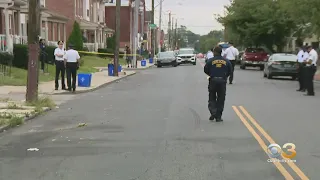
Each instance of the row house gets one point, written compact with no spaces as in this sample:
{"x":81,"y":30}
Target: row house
{"x":90,"y":15}
{"x":11,"y":23}
{"x":57,"y":19}
{"x":126,"y":19}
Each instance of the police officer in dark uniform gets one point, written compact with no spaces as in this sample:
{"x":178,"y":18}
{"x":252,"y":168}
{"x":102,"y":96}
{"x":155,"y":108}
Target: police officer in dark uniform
{"x":219,"y":69}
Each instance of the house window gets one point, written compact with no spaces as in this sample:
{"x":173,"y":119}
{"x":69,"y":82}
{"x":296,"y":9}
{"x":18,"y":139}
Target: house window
{"x":43,"y":3}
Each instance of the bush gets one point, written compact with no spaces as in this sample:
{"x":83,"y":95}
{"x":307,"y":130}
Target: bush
{"x":20,"y":56}
{"x":75,"y":37}
{"x":6,"y":58}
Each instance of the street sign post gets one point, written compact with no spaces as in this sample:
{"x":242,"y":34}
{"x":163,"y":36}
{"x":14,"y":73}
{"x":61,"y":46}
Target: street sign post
{"x":152,"y":26}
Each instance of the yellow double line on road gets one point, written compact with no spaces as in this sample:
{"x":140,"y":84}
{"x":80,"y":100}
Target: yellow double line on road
{"x":280,"y":167}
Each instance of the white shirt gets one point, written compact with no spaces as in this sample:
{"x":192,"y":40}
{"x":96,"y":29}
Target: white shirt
{"x":209,"y":54}
{"x":231,"y":53}
{"x":313,"y":55}
{"x":59,"y":51}
{"x":71,"y":55}
{"x":305,"y":56}
{"x":300,"y":56}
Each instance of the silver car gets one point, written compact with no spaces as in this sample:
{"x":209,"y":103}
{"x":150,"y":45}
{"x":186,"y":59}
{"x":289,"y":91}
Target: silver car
{"x":167,"y":58}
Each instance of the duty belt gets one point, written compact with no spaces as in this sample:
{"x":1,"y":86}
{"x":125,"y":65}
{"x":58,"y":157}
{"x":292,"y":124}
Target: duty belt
{"x":217,"y":77}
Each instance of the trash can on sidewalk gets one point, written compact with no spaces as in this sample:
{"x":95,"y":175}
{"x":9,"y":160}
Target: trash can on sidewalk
{"x":150,"y":60}
{"x":143,"y":63}
{"x":111,"y":69}
{"x":84,"y":80}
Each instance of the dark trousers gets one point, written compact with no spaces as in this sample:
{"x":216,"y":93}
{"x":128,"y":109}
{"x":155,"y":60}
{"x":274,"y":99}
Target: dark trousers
{"x":309,"y":75}
{"x":233,"y":62}
{"x":301,"y":74}
{"x":217,"y":95}
{"x":71,"y":68}
{"x":42,"y":61}
{"x":60,"y":69}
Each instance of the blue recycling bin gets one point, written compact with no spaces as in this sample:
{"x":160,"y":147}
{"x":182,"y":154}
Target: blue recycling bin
{"x":143,"y":63}
{"x":111,"y":68}
{"x":84,"y":80}
{"x":150,"y":60}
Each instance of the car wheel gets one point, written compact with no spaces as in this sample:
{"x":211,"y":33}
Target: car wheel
{"x":194,"y":63}
{"x":175,"y":64}
{"x":159,"y":65}
{"x":242,"y":67}
{"x":261,"y":68}
{"x":293,"y":77}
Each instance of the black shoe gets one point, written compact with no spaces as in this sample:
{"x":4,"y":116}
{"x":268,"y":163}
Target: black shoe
{"x":69,"y":89}
{"x":64,"y":88}
{"x":219,"y":120}
{"x":230,"y":83}
{"x":309,"y":94}
{"x":211,"y":118}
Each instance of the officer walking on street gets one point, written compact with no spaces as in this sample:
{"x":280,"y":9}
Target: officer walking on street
{"x":218,"y":68}
{"x":231,"y":54}
{"x":310,"y":70}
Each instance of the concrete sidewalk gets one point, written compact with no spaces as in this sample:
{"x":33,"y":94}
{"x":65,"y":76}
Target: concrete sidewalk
{"x":98,"y":79}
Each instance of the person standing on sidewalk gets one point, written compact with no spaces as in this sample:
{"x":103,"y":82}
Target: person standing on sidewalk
{"x":128,"y":57}
{"x":71,"y":62}
{"x":60,"y":67}
{"x":310,"y":70}
{"x":301,"y":58}
{"x":43,"y":54}
{"x":231,"y":54}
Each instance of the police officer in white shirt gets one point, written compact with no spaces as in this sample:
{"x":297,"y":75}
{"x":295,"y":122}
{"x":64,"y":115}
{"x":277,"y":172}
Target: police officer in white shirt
{"x":72,"y":64}
{"x":209,"y":55}
{"x":60,"y":68}
{"x":310,"y":70}
{"x":301,"y":56}
{"x":231,"y":54}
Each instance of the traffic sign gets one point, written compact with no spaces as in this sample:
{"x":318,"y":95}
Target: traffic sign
{"x":152,"y":26}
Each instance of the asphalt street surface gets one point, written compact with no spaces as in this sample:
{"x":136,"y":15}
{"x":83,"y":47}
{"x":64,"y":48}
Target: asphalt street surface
{"x":154,"y":126}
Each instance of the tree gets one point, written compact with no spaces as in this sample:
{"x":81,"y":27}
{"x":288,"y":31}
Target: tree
{"x":111,"y":42}
{"x":259,"y":23}
{"x":75,"y":37}
{"x":210,"y":40}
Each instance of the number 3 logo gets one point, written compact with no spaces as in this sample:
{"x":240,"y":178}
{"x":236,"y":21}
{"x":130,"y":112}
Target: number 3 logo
{"x":290,"y":147}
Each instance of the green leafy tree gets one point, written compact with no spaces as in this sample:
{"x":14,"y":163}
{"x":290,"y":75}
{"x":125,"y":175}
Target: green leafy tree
{"x":75,"y":37}
{"x":111,"y":42}
{"x":259,"y":23}
{"x":210,"y":40}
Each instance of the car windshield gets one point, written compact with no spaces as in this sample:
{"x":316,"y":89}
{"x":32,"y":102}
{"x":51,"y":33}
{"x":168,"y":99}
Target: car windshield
{"x":186,"y":51}
{"x":284,"y":57}
{"x":255,"y":50}
{"x":166,"y":55}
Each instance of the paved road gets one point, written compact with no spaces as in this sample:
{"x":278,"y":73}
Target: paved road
{"x":154,"y":126}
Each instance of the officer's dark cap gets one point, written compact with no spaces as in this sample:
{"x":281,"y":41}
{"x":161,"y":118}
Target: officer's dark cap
{"x":217,"y":50}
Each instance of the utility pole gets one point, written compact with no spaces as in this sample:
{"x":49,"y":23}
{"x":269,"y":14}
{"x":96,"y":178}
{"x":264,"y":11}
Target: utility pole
{"x":117,"y":38}
{"x":172,"y":42}
{"x":152,"y":30}
{"x":169,"y":32}
{"x":33,"y":46}
{"x":135,"y":31}
{"x":160,"y":18}
{"x":175,"y":35}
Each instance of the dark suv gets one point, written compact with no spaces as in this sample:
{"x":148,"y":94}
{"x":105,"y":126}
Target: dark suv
{"x":254,"y":57}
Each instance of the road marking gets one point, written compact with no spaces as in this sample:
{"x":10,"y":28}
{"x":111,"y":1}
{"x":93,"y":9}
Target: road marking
{"x":293,"y":166}
{"x":280,"y":167}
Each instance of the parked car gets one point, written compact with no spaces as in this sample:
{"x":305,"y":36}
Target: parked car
{"x":281,"y":64}
{"x":186,"y":56}
{"x":167,"y":58}
{"x":254,"y":57}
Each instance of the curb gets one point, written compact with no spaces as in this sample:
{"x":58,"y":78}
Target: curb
{"x":139,"y":68}
{"x":26,"y":119}
{"x":93,"y":89}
